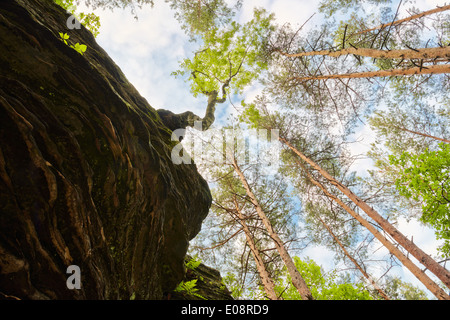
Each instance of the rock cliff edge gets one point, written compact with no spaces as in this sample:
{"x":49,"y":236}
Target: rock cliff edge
{"x":86,"y":176}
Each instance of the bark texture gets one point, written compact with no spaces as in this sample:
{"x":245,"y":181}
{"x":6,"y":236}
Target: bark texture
{"x":86,"y":176}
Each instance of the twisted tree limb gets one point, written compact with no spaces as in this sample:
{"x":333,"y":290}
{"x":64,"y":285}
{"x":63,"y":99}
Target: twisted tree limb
{"x":187,"y":119}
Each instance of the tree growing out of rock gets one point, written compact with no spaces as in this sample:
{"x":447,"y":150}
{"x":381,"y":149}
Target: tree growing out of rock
{"x":228,"y":61}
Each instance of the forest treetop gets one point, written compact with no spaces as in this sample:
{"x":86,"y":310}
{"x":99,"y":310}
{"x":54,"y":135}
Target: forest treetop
{"x":320,"y":84}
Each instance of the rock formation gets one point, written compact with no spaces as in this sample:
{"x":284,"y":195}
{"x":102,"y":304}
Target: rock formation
{"x":86,"y":176}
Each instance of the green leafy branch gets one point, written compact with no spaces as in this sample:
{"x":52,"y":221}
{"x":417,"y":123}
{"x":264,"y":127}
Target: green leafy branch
{"x":80,"y":48}
{"x":189,"y":288}
{"x":426,"y":178}
{"x":229,"y":57}
{"x":90,"y":20}
{"x":193,"y":263}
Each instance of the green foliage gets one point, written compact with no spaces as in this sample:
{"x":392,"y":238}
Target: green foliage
{"x":232,"y":283}
{"x":393,"y":139}
{"x":392,"y":125}
{"x":426,"y":178}
{"x":250,"y":115}
{"x":330,"y":7}
{"x":189,"y":288}
{"x":114,"y":4}
{"x":65,"y":3}
{"x":323,"y":287}
{"x":90,"y":20}
{"x":64,"y":37}
{"x":228,"y":56}
{"x":397,"y":289}
{"x":193,"y":263}
{"x":80,"y":48}
{"x":198,"y":18}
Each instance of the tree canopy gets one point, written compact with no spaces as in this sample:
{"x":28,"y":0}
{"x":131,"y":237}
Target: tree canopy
{"x":369,"y":68}
{"x":426,"y":179}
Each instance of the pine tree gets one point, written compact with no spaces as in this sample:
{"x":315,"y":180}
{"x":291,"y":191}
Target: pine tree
{"x":308,"y":165}
{"x":235,"y":214}
{"x":296,"y":278}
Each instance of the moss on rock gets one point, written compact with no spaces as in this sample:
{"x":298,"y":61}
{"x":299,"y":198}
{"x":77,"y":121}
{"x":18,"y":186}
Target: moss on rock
{"x":208,"y":284}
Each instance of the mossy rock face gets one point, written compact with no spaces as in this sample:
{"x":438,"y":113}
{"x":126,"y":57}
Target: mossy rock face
{"x":209,"y":284}
{"x":86,"y":176}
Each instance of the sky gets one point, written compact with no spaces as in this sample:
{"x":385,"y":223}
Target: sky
{"x":149,"y":50}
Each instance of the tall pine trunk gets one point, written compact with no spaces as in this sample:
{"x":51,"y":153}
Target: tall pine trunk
{"x":416,"y":271}
{"x":415,"y":16}
{"x":422,"y":53}
{"x":434,"y":69}
{"x":297,"y":279}
{"x":422,"y":257}
{"x":422,"y":134}
{"x":357,"y":265}
{"x":266,"y":280}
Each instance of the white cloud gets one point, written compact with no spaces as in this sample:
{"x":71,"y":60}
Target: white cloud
{"x":149,"y":49}
{"x":321,"y":255}
{"x":246,"y":13}
{"x":421,"y":5}
{"x":293,"y":11}
{"x":154,"y":26}
{"x":435,"y":3}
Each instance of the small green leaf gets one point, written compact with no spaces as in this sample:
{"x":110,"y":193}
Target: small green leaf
{"x":80,"y":48}
{"x":64,"y":37}
{"x":83,"y":47}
